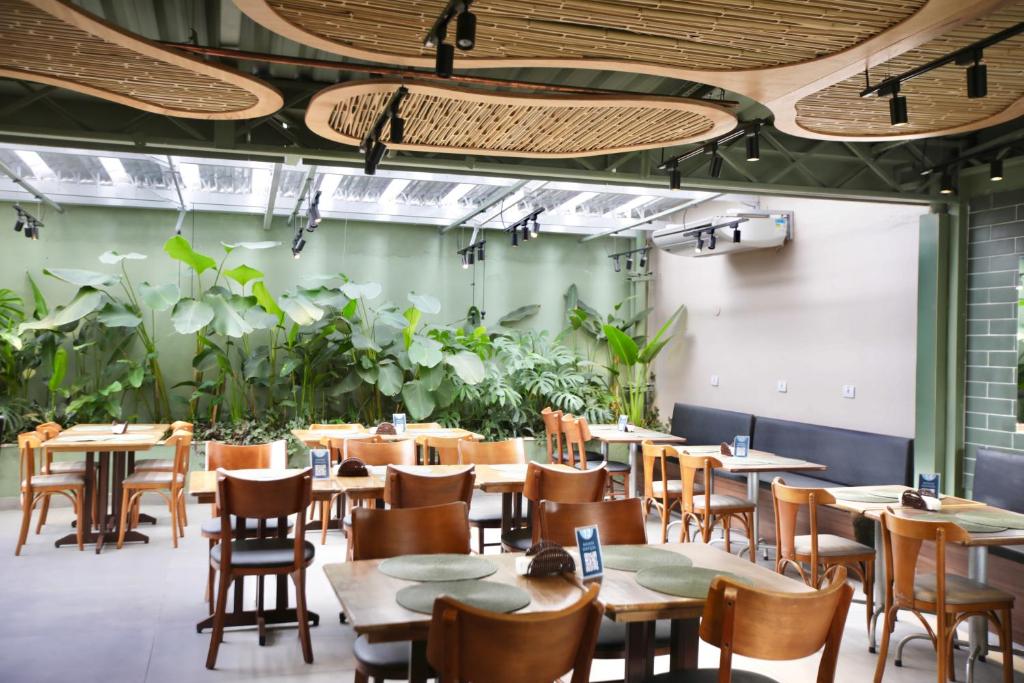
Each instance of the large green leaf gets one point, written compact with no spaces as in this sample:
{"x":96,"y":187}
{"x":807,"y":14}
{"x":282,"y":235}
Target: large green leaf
{"x":226,"y":318}
{"x":351,"y":382}
{"x":425,"y":303}
{"x":520,"y":314}
{"x":113,"y":257}
{"x":243,"y":274}
{"x":389,"y":379}
{"x":60,"y":369}
{"x":425,"y":351}
{"x":300,"y":309}
{"x":179,"y":249}
{"x":467,"y":366}
{"x":392,"y":319}
{"x":622,"y":346}
{"x":116,"y":314}
{"x":259,"y":318}
{"x":432,"y":377}
{"x":83,"y":278}
{"x":365,"y":291}
{"x":190,"y":316}
{"x":159,"y":297}
{"x":264,"y":299}
{"x":657,"y":343}
{"x":11,"y":338}
{"x":229,"y":247}
{"x":85,"y":302}
{"x":41,"y":309}
{"x":325,"y":297}
{"x":418,"y":400}
{"x":362,"y":342}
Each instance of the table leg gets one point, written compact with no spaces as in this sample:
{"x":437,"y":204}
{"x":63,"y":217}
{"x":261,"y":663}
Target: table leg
{"x":506,"y":512}
{"x":418,"y":667}
{"x":639,"y":651}
{"x":103,"y":501}
{"x":685,"y":642}
{"x":90,"y":492}
{"x":634,"y":470}
{"x":977,"y":569}
{"x":879,"y":588}
{"x":753,"y":494}
{"x":143,"y":517}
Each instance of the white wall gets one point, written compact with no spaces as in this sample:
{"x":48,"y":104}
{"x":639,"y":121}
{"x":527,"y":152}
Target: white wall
{"x":835,"y":306}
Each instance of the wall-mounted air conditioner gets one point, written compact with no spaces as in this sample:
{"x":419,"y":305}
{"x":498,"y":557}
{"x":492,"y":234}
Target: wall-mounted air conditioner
{"x":741,"y":231}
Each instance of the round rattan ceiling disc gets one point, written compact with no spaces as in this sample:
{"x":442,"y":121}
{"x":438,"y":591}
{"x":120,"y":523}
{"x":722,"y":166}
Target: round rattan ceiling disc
{"x":441,"y":567}
{"x":683,"y":582}
{"x":633,"y":558}
{"x":488,"y":595}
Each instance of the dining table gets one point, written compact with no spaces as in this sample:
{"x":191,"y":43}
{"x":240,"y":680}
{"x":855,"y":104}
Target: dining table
{"x":314,"y":438}
{"x":108,"y":460}
{"x":607,"y":434}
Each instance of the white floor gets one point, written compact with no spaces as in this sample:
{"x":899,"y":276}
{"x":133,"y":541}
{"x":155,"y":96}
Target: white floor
{"x":129,"y":615}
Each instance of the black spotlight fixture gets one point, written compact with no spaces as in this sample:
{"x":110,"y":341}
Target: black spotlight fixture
{"x":977,"y":74}
{"x":298,"y":244}
{"x":444,"y":61}
{"x":643,"y":259}
{"x":465,"y":35}
{"x":754,"y":145}
{"x":535,"y":226}
{"x":19,"y":221}
{"x":465,"y":262}
{"x":897,"y":106}
{"x":313,"y":216}
{"x":465,"y":29}
{"x":374,"y":157}
{"x":675,"y":178}
{"x":372,"y":145}
{"x":700,"y":243}
{"x":480,"y":251}
{"x":712,"y":240}
{"x":736,"y":235}
{"x":629,"y":262}
{"x":995,"y":170}
{"x":515,"y":237}
{"x":526,"y":232}
{"x":716,"y":165}
{"x":946,"y":183}
{"x":469,"y":254}
{"x":397,"y":130}
{"x":616,"y":264}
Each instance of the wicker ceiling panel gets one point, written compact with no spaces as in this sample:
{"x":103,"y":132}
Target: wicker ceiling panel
{"x":447,"y":119}
{"x":53,"y":42}
{"x":705,"y":34}
{"x":937,"y":101}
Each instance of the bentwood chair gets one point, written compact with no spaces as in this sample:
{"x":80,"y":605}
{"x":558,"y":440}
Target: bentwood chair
{"x":47,"y":431}
{"x":577,"y":434}
{"x":380,"y":534}
{"x":405,"y":489}
{"x":820,"y":552}
{"x":277,"y":555}
{"x":446,"y":448}
{"x":373,"y":452}
{"x":760,"y":624}
{"x":169,"y":485}
{"x":709,"y":508}
{"x":485,"y":510}
{"x":951,"y":598}
{"x":619,"y":522}
{"x":553,"y":435}
{"x":543,"y":482}
{"x":39,"y":487}
{"x":469,"y":644}
{"x":663,"y":494}
{"x":341,"y":427}
{"x":164,"y":464}
{"x":424,"y":426}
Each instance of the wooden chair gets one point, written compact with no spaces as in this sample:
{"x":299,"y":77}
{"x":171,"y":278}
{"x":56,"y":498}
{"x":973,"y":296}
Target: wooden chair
{"x":469,"y":644}
{"x":405,"y":489}
{"x":47,"y":431}
{"x":545,"y":483}
{"x":553,"y":435}
{"x":577,"y":434}
{"x":485,"y":510}
{"x":164,"y":464}
{"x":752,"y":622}
{"x":39,"y":487}
{"x":340,"y":427}
{"x":709,"y":508}
{"x":951,"y":598}
{"x":821,"y":552}
{"x":663,"y":494}
{"x":424,"y":425}
{"x":380,"y":534}
{"x":446,"y":447}
{"x":235,"y":558}
{"x":169,"y":485}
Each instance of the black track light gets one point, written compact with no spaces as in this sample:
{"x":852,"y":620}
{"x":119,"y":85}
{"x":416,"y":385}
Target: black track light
{"x":313,"y":216}
{"x":754,"y":147}
{"x":616,"y":265}
{"x":735,"y":235}
{"x":465,"y":30}
{"x":946,"y":184}
{"x":716,"y":165}
{"x":29,"y":228}
{"x":643,"y":259}
{"x":526,"y":232}
{"x":465,"y":262}
{"x":995,"y":170}
{"x":712,"y":240}
{"x":297,"y":246}
{"x":977,"y":79}
{"x":469,"y":255}
{"x":374,"y":157}
{"x":19,"y":222}
{"x":480,"y":252}
{"x":700,"y":243}
{"x":898,"y":110}
{"x":535,"y":226}
{"x":397,"y":130}
{"x":675,"y":180}
{"x":515,"y":237}
{"x":444,"y":63}
{"x":629,"y":262}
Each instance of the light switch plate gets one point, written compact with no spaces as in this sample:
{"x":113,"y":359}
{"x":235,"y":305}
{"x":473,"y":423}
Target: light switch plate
{"x":782,"y":387}
{"x":714,"y":380}
{"x":849,"y":391}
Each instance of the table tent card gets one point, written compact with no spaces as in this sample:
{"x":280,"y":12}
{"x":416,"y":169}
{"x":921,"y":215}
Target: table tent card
{"x":741,"y":446}
{"x":320,"y":461}
{"x":930,"y":482}
{"x":588,"y":541}
{"x":398,"y":419}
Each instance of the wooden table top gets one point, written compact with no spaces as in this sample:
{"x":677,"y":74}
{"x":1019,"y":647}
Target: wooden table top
{"x":861,"y":507}
{"x":756,"y":461}
{"x":98,"y":438}
{"x":314,"y":437}
{"x":1007,"y":537}
{"x":612,"y":434}
{"x":367,"y":597}
{"x":625,"y":600}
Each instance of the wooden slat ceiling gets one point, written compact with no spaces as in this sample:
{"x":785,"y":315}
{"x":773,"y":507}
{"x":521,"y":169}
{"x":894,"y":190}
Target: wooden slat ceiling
{"x":53,"y":42}
{"x":447,"y":119}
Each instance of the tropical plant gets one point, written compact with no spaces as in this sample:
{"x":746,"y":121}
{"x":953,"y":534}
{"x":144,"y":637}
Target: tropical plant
{"x":585,"y":325}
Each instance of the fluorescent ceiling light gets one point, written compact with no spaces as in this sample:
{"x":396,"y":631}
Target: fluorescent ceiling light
{"x":392,"y":191}
{"x":570,"y":206}
{"x":190,"y":176}
{"x":35,"y":162}
{"x":460,"y":191}
{"x":115,"y":169}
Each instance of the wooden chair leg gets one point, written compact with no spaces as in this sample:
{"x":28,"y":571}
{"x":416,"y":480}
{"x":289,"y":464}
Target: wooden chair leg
{"x":80,"y":519}
{"x":172,"y":506}
{"x":664,"y":523}
{"x":726,"y":519}
{"x":883,"y":653}
{"x":325,"y":516}
{"x":218,"y":617}
{"x":184,"y":513}
{"x":625,"y":485}
{"x":299,"y":578}
{"x":126,"y":502}
{"x":1006,"y":645}
{"x":751,"y":537}
{"x":361,"y":677}
{"x":942,"y":659}
{"x":869,"y":592}
{"x":26,"y":521}
{"x":42,"y":513}
{"x":480,"y":538}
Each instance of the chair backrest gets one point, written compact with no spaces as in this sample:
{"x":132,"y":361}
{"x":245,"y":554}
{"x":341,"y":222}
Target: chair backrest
{"x":376,"y":452}
{"x":553,"y":433}
{"x":424,"y":425}
{"x":222,"y":456}
{"x":998,"y":478}
{"x":182,"y":426}
{"x":752,"y":622}
{"x":689,"y":466}
{"x":405,"y":489}
{"x":182,"y":442}
{"x":469,"y":644}
{"x":343,"y":427}
{"x":28,"y":442}
{"x":577,"y":434}
{"x":619,"y":522}
{"x":902,"y":538}
{"x":338,"y":446}
{"x":261,"y":499}
{"x":508,"y":452}
{"x":543,"y":482}
{"x":49,"y":430}
{"x":788,"y":501}
{"x":378,"y":534}
{"x":656,"y":454}
{"x":447,"y":448}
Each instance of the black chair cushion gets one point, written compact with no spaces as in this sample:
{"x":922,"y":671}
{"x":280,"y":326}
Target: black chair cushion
{"x":393,"y":655}
{"x":264,"y":552}
{"x":613,"y":466}
{"x":594,"y":456}
{"x":853,"y":458}
{"x":1014,"y":553}
{"x":999,"y":478}
{"x":612,"y":636}
{"x":794,"y":479}
{"x":211,"y":527}
{"x":702,"y":426}
{"x":485,"y":509}
{"x":519,"y":540}
{"x":710,"y":676}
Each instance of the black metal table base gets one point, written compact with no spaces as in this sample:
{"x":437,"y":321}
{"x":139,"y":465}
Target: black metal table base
{"x":99,"y":539}
{"x":251,"y":619}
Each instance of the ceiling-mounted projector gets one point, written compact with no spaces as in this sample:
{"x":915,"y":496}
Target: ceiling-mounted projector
{"x":729,"y":234}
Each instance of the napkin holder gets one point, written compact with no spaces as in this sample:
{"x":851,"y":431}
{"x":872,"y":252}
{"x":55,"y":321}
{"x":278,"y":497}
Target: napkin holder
{"x":545,"y":559}
{"x":725,"y":449}
{"x":386,"y":428}
{"x":353,"y":467}
{"x":118,"y":427}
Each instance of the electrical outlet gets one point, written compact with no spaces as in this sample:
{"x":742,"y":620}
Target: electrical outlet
{"x":849,"y":391}
{"x":781,"y":386}
{"x":714,"y":380}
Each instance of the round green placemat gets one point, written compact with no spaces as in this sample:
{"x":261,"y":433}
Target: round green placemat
{"x":865,"y":496}
{"x":966,"y":525}
{"x":633,"y":558}
{"x":439,"y":567}
{"x":684,"y":582}
{"x":488,"y":595}
{"x":995,"y":518}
